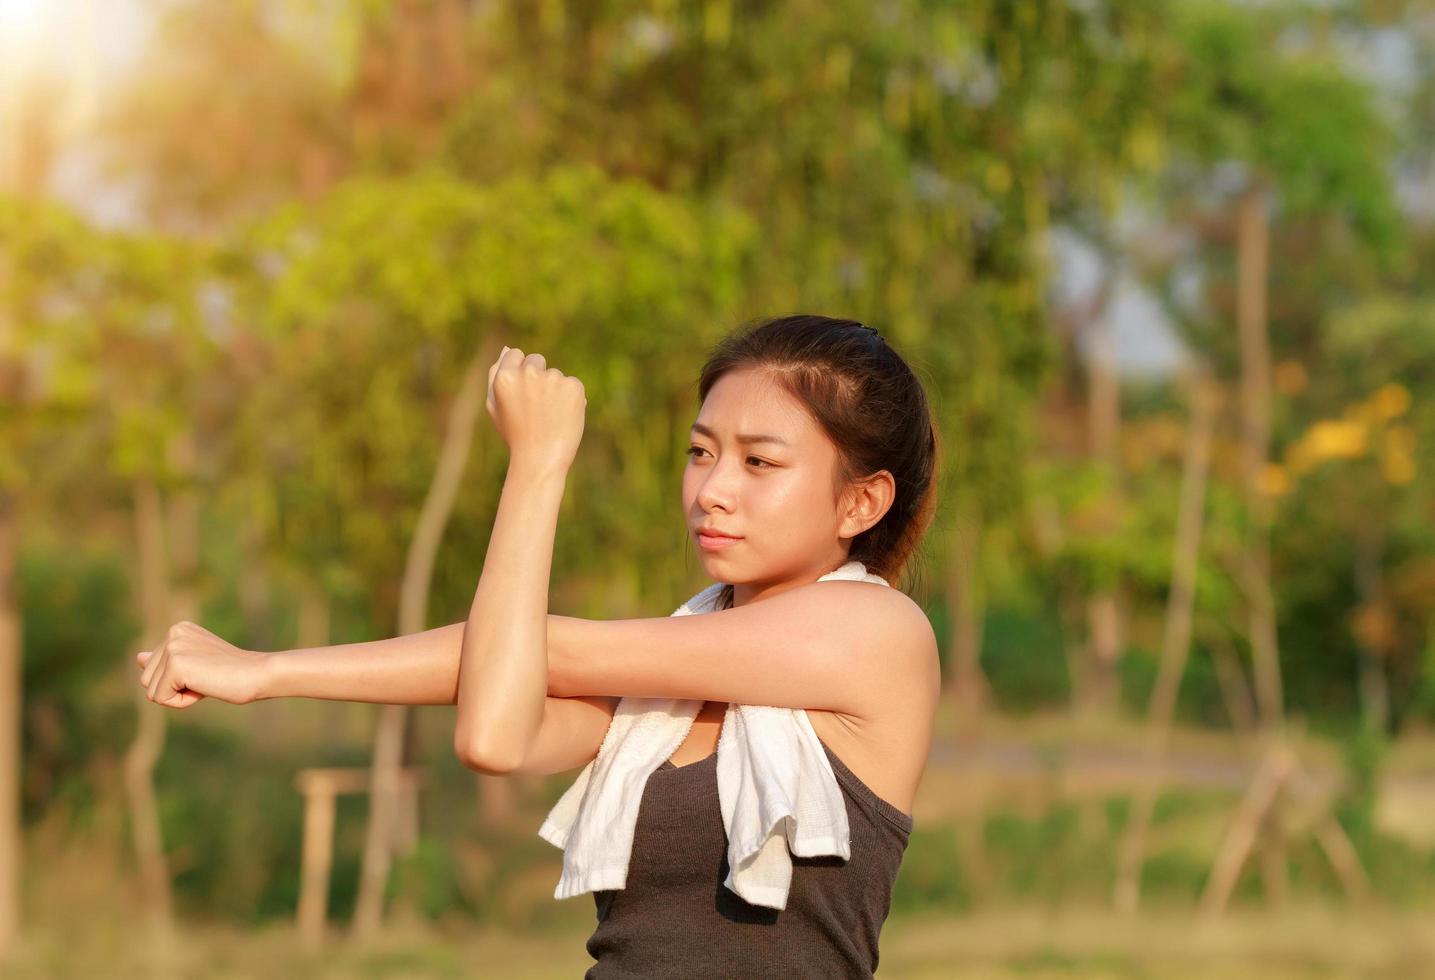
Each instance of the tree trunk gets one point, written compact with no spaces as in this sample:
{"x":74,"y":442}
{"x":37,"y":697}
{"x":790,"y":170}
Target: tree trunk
{"x":1235,"y":691}
{"x":1176,"y":642}
{"x":389,"y":743}
{"x":314,"y":614}
{"x":966,"y":600}
{"x":1105,"y":629}
{"x":143,"y":752}
{"x":254,"y":598}
{"x":183,"y":524}
{"x":1252,"y":246}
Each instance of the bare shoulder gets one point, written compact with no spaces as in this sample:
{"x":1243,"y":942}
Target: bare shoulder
{"x":872,"y":602}
{"x":887,"y":743}
{"x":893,"y":641}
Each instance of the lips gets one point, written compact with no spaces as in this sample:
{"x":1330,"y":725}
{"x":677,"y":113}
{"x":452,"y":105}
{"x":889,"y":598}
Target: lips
{"x":711,"y":542}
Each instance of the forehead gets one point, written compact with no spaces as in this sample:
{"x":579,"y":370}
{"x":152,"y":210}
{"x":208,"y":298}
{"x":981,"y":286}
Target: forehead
{"x":750,"y":402}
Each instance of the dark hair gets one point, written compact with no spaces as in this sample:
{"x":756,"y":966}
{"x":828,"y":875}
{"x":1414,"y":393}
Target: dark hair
{"x":866,"y":399}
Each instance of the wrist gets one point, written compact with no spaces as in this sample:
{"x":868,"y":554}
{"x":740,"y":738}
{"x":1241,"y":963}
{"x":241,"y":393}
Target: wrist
{"x":533,"y":468}
{"x":267,"y":670}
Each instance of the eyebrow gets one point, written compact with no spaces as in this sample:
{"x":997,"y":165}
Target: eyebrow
{"x":745,"y":440}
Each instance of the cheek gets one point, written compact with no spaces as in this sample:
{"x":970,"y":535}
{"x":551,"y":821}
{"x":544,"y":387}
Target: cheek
{"x":785,"y":496}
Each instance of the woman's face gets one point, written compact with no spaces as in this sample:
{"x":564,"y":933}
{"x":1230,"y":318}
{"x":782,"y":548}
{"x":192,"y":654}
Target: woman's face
{"x":761,"y":470}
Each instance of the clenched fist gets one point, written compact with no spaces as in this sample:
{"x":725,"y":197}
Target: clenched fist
{"x":192,"y":663}
{"x":538,"y":410}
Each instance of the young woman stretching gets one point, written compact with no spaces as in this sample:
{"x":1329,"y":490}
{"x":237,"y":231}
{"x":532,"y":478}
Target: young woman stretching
{"x":814,"y":447}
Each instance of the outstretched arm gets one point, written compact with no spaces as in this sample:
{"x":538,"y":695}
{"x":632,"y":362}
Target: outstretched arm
{"x":417,"y":668}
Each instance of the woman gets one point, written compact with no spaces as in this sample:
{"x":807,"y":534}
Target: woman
{"x":814,"y":446}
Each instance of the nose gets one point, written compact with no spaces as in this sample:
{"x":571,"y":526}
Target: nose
{"x":715,"y":491}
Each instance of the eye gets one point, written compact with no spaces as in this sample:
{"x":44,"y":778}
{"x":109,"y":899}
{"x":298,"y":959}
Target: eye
{"x":694,"y":450}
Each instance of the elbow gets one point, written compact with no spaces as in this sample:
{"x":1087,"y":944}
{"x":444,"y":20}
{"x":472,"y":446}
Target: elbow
{"x":478,"y":755}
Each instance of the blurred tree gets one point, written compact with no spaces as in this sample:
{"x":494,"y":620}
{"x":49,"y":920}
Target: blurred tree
{"x":372,"y":301}
{"x":1298,"y":124}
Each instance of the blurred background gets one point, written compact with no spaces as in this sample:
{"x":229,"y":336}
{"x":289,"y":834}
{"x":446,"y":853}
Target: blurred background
{"x":1165,"y":268}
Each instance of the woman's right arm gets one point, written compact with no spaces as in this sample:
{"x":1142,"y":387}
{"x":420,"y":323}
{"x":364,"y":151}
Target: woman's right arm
{"x":422,"y":668}
{"x":417,"y":668}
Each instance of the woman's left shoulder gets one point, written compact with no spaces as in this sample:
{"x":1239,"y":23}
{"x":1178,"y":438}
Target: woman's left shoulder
{"x":875,"y":615}
{"x":882,"y":606}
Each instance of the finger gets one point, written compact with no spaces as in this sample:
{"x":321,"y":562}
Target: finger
{"x":156,"y":660}
{"x":167,"y":699}
{"x":177,"y":698}
{"x":507,"y":358}
{"x":492,"y":370}
{"x":156,"y":685}
{"x":535,"y":360}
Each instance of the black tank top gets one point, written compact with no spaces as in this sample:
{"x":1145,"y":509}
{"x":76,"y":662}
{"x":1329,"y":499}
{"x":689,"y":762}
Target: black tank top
{"x":676,"y":918}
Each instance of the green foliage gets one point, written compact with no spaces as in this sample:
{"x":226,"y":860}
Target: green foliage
{"x":1364,"y":751}
{"x":1246,"y":91}
{"x":931,"y":876}
{"x":426,"y":880}
{"x":1022,"y":658}
{"x":79,"y":621}
{"x":231,"y":823}
{"x":616,"y":186}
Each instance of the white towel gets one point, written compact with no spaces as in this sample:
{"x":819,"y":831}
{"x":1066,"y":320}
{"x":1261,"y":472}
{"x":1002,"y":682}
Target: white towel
{"x":776,"y":788}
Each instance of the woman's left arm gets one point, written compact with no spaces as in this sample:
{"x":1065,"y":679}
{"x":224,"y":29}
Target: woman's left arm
{"x":503,"y":661}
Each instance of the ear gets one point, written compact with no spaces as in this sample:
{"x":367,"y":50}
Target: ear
{"x":866,"y":503}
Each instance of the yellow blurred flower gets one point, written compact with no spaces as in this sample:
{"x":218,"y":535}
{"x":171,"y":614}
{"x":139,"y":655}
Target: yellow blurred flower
{"x":1273,"y":481}
{"x":1331,"y":439}
{"x":1397,"y":467}
{"x":1391,"y":400}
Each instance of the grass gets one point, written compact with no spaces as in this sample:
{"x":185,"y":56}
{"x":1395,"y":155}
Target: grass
{"x":1019,"y":942}
{"x":1008,"y":875}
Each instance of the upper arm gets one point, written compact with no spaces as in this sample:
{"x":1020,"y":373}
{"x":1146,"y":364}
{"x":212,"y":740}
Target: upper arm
{"x":852,"y":647}
{"x":568,"y":737}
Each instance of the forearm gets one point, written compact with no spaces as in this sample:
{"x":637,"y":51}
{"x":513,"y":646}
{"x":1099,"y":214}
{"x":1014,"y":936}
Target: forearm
{"x":503,"y":663}
{"x":419,"y":668}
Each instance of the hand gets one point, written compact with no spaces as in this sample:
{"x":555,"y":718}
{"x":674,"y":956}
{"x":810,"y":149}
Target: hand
{"x":192,"y":663}
{"x":538,"y":409}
